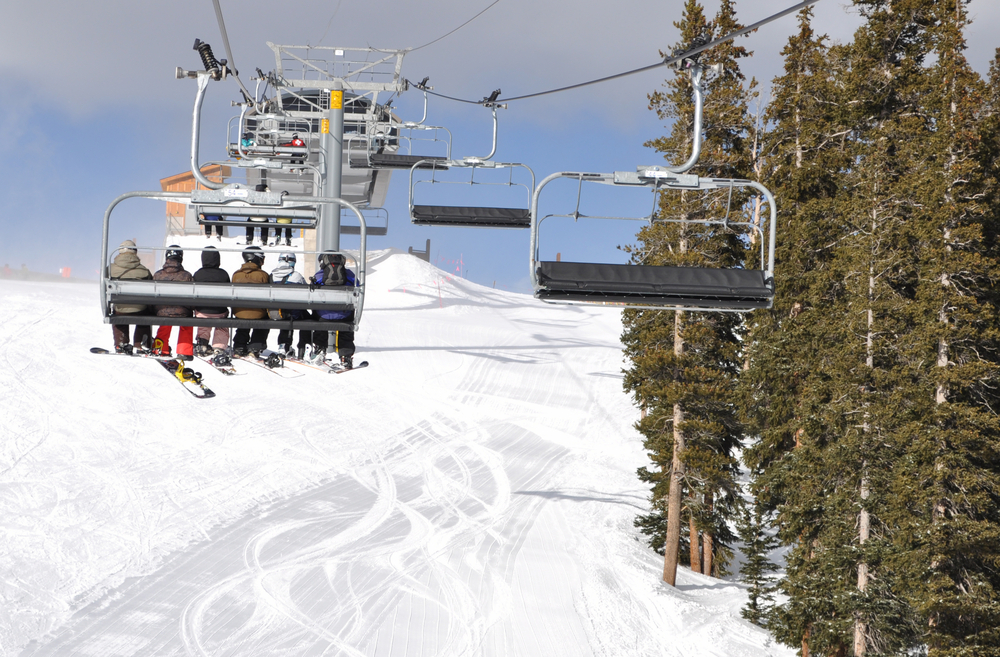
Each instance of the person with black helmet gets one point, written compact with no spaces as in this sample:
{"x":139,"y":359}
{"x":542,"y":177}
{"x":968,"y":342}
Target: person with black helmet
{"x":285,"y":274}
{"x":210,"y":272}
{"x":333,"y":271}
{"x":173,"y":270}
{"x":243,"y":341}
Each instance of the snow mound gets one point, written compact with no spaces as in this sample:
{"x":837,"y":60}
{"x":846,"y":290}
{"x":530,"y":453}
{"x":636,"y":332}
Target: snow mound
{"x":401,"y":280}
{"x":471,"y":492}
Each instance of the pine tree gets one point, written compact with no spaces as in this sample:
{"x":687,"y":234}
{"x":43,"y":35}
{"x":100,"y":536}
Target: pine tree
{"x":827,"y":452}
{"x":786,"y":385}
{"x":685,"y":365}
{"x":949,"y":497}
{"x":757,"y":567}
{"x":878,"y":445}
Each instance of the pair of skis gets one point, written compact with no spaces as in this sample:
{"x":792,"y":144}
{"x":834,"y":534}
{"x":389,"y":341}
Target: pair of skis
{"x":222,"y":363}
{"x":271,"y":361}
{"x":191,"y":380}
{"x":329,"y":368}
{"x":187,"y":377}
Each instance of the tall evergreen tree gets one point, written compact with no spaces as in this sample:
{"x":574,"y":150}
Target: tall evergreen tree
{"x":878,"y":443}
{"x":685,"y":365}
{"x":949,"y":494}
{"x":787,"y":384}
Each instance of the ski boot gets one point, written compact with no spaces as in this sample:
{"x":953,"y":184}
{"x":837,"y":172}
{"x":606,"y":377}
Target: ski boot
{"x":124,"y":348}
{"x":271,"y":358}
{"x":203,"y":349}
{"x":346,"y":363}
{"x":221,"y":357}
{"x":160,"y":348}
{"x":300,"y":352}
{"x":318,"y":355}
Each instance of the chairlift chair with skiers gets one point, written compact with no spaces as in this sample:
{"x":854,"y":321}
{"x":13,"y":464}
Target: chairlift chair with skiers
{"x":659,"y":287}
{"x":191,"y":294}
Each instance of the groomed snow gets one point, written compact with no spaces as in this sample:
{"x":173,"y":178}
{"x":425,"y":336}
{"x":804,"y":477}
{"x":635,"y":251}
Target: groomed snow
{"x":470,"y":493}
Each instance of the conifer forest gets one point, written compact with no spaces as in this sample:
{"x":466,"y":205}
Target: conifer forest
{"x":854,"y":424}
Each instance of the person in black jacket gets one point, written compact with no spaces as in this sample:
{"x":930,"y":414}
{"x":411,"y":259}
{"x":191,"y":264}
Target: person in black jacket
{"x":210,"y":272}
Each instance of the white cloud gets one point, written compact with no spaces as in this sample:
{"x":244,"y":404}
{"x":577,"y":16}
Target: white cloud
{"x":94,"y":56}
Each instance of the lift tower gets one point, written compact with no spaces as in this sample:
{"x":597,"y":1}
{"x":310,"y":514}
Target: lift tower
{"x":336,"y":90}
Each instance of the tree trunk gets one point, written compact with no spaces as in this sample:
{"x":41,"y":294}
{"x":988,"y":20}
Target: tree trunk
{"x":671,"y":550}
{"x":864,"y":533}
{"x":864,"y":519}
{"x":695,"y":543}
{"x":708,"y":561}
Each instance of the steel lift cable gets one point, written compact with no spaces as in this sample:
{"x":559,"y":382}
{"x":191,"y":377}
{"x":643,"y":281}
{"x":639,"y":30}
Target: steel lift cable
{"x":667,"y":61}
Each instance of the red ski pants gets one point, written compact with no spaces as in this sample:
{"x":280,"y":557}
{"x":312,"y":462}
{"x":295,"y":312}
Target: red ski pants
{"x":185,"y":341}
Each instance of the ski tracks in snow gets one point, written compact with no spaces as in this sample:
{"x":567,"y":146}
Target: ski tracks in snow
{"x":423,"y":533}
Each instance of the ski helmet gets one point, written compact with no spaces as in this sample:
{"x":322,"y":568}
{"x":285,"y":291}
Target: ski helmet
{"x":174,"y":253}
{"x":253,"y":254}
{"x":287,"y":257}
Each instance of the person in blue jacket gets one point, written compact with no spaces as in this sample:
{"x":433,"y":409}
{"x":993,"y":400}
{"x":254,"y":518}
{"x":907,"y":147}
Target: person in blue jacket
{"x":333,"y":271}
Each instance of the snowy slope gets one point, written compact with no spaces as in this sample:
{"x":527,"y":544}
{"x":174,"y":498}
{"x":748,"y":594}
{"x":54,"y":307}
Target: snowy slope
{"x":470,"y":493}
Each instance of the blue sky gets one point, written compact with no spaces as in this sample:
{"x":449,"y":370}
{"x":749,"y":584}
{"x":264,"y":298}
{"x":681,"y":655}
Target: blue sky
{"x":91,"y":109}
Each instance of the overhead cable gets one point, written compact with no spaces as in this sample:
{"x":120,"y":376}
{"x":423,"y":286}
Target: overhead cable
{"x":667,"y":61}
{"x":229,"y":53}
{"x":457,"y":28}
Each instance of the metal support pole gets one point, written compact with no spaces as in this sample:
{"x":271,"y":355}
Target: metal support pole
{"x":332,"y":129}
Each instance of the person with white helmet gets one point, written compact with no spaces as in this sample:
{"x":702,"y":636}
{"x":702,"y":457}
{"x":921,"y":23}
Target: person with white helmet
{"x":285,"y":274}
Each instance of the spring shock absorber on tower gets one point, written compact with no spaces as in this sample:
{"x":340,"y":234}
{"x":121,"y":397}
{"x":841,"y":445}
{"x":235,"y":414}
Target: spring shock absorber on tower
{"x":208,"y":59}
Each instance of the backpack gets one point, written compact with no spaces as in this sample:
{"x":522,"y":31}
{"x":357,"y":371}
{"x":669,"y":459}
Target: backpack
{"x":334,"y":271}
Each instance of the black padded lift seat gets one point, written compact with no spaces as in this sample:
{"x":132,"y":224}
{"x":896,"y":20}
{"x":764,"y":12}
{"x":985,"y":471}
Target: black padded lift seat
{"x":691,"y":287}
{"x":356,"y":230}
{"x":233,"y":322}
{"x":437,"y":215}
{"x":394,"y":161}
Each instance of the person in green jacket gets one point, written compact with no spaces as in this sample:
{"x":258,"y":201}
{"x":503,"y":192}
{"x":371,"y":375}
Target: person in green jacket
{"x":126,"y":265}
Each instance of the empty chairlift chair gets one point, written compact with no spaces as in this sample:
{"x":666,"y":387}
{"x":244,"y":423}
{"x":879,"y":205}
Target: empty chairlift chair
{"x":646,"y":286}
{"x":391,"y":144}
{"x":473,"y":216}
{"x":423,"y":214}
